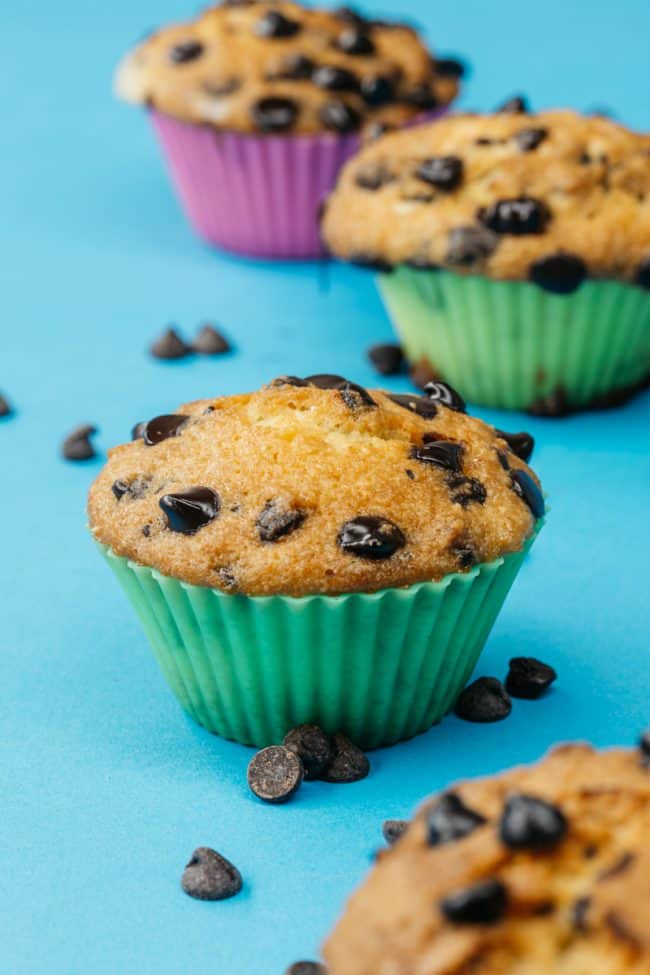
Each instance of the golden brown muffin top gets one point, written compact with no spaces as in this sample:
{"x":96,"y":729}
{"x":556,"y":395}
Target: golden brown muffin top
{"x":262,"y":67}
{"x":316,"y":486}
{"x":562,"y":889}
{"x":553,"y":198}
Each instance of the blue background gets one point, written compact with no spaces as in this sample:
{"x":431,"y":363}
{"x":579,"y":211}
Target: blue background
{"x":105,"y":787}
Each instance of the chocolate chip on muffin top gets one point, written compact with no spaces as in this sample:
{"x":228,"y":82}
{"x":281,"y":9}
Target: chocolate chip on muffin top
{"x":315,"y":485}
{"x":278,"y":67}
{"x":552,"y":198}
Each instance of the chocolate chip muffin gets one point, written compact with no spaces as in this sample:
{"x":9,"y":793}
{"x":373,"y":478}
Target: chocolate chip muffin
{"x":257,"y":106}
{"x":528,"y":236}
{"x":540,"y":870}
{"x":318,"y":553}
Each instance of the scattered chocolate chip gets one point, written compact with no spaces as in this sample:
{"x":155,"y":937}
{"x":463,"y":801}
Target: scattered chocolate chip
{"x":371,"y":537}
{"x":371,"y":262}
{"x":449,"y":819}
{"x":288,"y":381}
{"x":377,"y":90}
{"x":449,"y":67}
{"x":579,"y":912}
{"x":276,"y":521}
{"x":135,"y":489}
{"x":373,"y":176}
{"x":335,"y":79}
{"x":210,"y":877}
{"x":483,"y":701}
{"x":644,"y":748}
{"x":5,"y":406}
{"x":561,"y":274}
{"x":482,"y":903}
{"x":409,"y":473}
{"x":209,"y":341}
{"x":520,"y":215}
{"x":468,"y":245}
{"x":274,"y":774}
{"x":642,"y":276}
{"x":387,"y":358}
{"x":394,"y":829}
{"x":521,"y":444}
{"x":466,"y":555}
{"x":227,"y":578}
{"x":528,"y":678}
{"x":146,"y":530}
{"x":526,"y":488}
{"x":356,"y":397}
{"x":169,"y":346}
{"x":529,"y":139}
{"x":529,"y":823}
{"x":163,"y":427}
{"x":440,"y":392}
{"x":348,"y":764}
{"x":220,"y":89}
{"x":422,"y":96}
{"x":188,"y":511}
{"x":443,"y":172}
{"x":137,"y":432}
{"x":295,"y":67}
{"x":440,"y":453}
{"x":421,"y":405}
{"x":274,"y":114}
{"x":274,"y":24}
{"x":306,"y":968}
{"x":312,"y":746}
{"x":186,"y":51}
{"x":339,"y":117}
{"x":514,"y":106}
{"x":77,"y":445}
{"x":353,"y":40}
{"x":466,"y":490}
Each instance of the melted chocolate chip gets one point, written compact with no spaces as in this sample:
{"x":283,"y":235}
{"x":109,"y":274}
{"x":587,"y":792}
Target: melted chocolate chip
{"x":169,"y":345}
{"x":77,"y":445}
{"x":516,"y":105}
{"x":449,"y":67}
{"x":466,"y":490}
{"x":529,"y":139}
{"x":210,"y":877}
{"x":644,"y":748}
{"x":188,"y":511}
{"x":356,"y":397}
{"x":372,"y":176}
{"x":526,"y":488}
{"x":288,"y":381}
{"x":529,"y":823}
{"x":163,"y":427}
{"x":529,"y":678}
{"x":348,"y":764}
{"x":466,"y":555}
{"x":339,"y":117}
{"x":483,"y":701}
{"x":354,"y":40}
{"x":421,"y":405}
{"x":422,"y":96}
{"x":468,"y":245}
{"x":449,"y":820}
{"x":335,"y":79}
{"x":561,"y":274}
{"x":520,"y":215}
{"x":371,"y":537}
{"x":5,"y":406}
{"x":274,"y":774}
{"x":642,"y":276}
{"x":377,"y":90}
{"x":326,"y":380}
{"x":440,"y":453}
{"x":137,"y":432}
{"x":209,"y":341}
{"x":521,"y":444}
{"x":503,"y":459}
{"x":276,"y":521}
{"x":274,"y":114}
{"x":443,"y":172}
{"x":186,"y":51}
{"x":135,"y":489}
{"x":438,"y":391}
{"x":482,"y":903}
{"x":274,"y":24}
{"x":394,"y":829}
{"x":312,"y":746}
{"x":295,"y":67}
{"x":388,"y":359}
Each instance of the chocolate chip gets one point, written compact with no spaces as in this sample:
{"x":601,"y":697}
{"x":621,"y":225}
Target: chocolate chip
{"x":209,"y":341}
{"x":441,"y":453}
{"x":467,"y":245}
{"x":621,"y":865}
{"x":287,"y":381}
{"x":526,"y":488}
{"x":373,"y":176}
{"x":186,"y":51}
{"x":276,"y":521}
{"x":354,"y":40}
{"x":387,"y":358}
{"x":295,"y":67}
{"x":394,"y":829}
{"x":443,"y":172}
{"x":306,"y":968}
{"x":521,"y":444}
{"x":529,"y":139}
{"x":77,"y":445}
{"x":137,"y":432}
{"x":274,"y":774}
{"x":210,"y":877}
{"x":449,"y":67}
{"x":371,"y":537}
{"x":5,"y":406}
{"x":339,"y":117}
{"x":227,"y":578}
{"x":163,"y":427}
{"x":377,"y":90}
{"x":466,"y":490}
{"x":483,"y":701}
{"x":326,"y":380}
{"x":579,"y":913}
{"x":561,"y":274}
{"x":529,"y":823}
{"x":519,"y":215}
{"x":356,"y":397}
{"x":482,"y":903}
{"x":349,"y":764}
{"x":274,"y":24}
{"x":188,"y":511}
{"x":528,"y":678}
{"x":375,"y":131}
{"x":437,"y":391}
{"x":421,"y":405}
{"x":514,"y":106}
{"x":642,"y":276}
{"x":312,"y":746}
{"x":135,"y":488}
{"x":503,"y":459}
{"x":169,"y":345}
{"x":220,"y":89}
{"x":146,"y":530}
{"x":466,"y":555}
{"x":644,"y":748}
{"x":331,"y":78}
{"x":273,"y":114}
{"x":449,"y":819}
{"x":422,"y":96}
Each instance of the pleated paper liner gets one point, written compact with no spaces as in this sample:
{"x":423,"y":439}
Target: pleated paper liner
{"x":507,"y":344}
{"x":379,"y":666}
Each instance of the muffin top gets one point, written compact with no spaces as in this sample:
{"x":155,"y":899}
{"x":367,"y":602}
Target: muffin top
{"x":553,"y":198}
{"x":543,"y":870}
{"x":277,"y":67}
{"x":316,"y":486}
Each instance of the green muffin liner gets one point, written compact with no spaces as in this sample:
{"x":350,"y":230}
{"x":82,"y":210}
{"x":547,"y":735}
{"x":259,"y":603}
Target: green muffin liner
{"x":507,"y":344}
{"x":379,"y":666}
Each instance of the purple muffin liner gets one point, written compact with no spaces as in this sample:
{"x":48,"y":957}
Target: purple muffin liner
{"x":255,"y":195}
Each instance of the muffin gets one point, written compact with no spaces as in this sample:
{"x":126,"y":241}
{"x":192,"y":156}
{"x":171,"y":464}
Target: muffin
{"x":317,"y":552}
{"x":257,"y":106}
{"x":543,"y":870}
{"x":514,"y":253}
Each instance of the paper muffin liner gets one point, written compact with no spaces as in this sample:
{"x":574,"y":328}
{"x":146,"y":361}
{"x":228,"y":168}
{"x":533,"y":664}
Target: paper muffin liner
{"x":258,"y":196}
{"x":508,"y":344}
{"x":379,"y":666}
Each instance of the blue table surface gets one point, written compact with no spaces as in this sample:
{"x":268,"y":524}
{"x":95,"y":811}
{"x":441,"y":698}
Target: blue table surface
{"x":105,"y":787}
